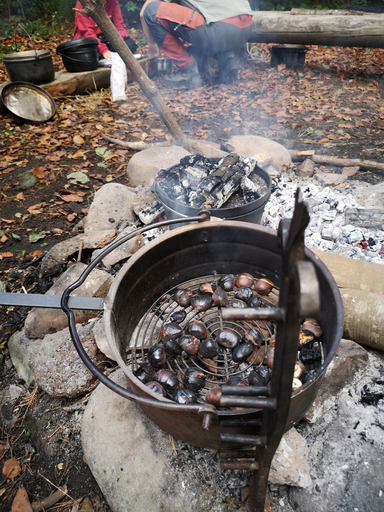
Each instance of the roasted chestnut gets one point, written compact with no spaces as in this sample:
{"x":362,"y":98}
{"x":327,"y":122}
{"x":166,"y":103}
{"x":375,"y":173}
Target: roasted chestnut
{"x":237,"y":303}
{"x":156,"y":387}
{"x":208,"y":348}
{"x":206,"y":288}
{"x":244,"y":281}
{"x":183,"y":298}
{"x":190,"y":344}
{"x":253,"y":336}
{"x":243,"y":294}
{"x":168,"y":379}
{"x":296,"y":384}
{"x":272,"y":341}
{"x":299,"y":370}
{"x":198,"y":329}
{"x":236,"y":381}
{"x":242,"y":352}
{"x":201,"y":302}
{"x":263,"y":286}
{"x":228,"y":338}
{"x":255,"y":302}
{"x":309,"y":357}
{"x":227,"y":282}
{"x":144,"y":373}
{"x":220,"y":297}
{"x":260,"y":376}
{"x":194,"y":379}
{"x":178,"y":316}
{"x":269,"y":357}
{"x":306,"y":338}
{"x":171,"y":346}
{"x":184,"y":396}
{"x":172,"y":330}
{"x":310,"y":324}
{"x":213,"y":396}
{"x":156,"y":356}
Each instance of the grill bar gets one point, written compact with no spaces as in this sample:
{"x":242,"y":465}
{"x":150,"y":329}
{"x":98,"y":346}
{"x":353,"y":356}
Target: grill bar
{"x":274,"y":314}
{"x":259,"y":441}
{"x":246,"y":390}
{"x":241,"y":422}
{"x":251,"y":402}
{"x":243,"y":465}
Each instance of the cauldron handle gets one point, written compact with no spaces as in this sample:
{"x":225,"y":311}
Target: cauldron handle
{"x":21,"y":26}
{"x":206,"y":410}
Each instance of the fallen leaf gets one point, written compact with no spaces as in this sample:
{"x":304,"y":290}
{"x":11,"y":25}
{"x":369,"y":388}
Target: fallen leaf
{"x":37,"y":206}
{"x":35,"y":254}
{"x":281,"y":67}
{"x":324,"y":140}
{"x":38,"y":172}
{"x":2,"y":451}
{"x":20,"y":196}
{"x":27,"y":180}
{"x":11,"y":467}
{"x":21,"y":502}
{"x":80,"y":153}
{"x":86,"y":506}
{"x":9,"y":221}
{"x":35,"y":235}
{"x":3,"y":239}
{"x":69,"y":198}
{"x":77,"y":177}
{"x":77,"y":139}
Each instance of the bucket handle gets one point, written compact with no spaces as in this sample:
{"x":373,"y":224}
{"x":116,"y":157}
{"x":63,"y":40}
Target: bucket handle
{"x":21,"y":26}
{"x":207,"y":410}
{"x":76,"y":60}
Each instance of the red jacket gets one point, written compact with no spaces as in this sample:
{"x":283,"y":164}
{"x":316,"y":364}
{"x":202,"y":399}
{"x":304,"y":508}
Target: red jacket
{"x":86,"y":27}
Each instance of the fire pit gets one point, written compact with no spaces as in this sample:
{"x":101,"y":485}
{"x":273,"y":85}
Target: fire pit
{"x":233,"y":188}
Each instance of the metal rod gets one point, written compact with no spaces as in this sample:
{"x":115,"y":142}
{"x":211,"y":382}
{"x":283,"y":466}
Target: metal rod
{"x":242,"y":465}
{"x":274,"y":314}
{"x":252,"y":402}
{"x":246,"y":390}
{"x":237,"y":454}
{"x":35,"y":300}
{"x":243,"y":439}
{"x":235,"y":423}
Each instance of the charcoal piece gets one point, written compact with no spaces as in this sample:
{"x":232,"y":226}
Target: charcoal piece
{"x":310,"y":357}
{"x":370,"y":398}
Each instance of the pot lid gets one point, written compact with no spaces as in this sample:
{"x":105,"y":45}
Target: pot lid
{"x":26,"y":56}
{"x":28,"y":101}
{"x":77,"y":43}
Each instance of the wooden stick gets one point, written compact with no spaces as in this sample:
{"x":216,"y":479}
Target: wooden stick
{"x":39,"y":505}
{"x":299,"y":156}
{"x":135,"y":146}
{"x":95,"y":10}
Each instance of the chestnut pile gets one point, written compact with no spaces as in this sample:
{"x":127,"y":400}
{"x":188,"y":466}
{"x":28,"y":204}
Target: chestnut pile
{"x":188,"y":343}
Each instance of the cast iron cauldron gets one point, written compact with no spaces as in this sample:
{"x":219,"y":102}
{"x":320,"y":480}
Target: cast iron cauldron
{"x":191,"y":252}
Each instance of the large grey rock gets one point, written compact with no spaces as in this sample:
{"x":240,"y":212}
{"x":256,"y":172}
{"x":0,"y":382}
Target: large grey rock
{"x":290,"y":465}
{"x":143,"y":165}
{"x":136,"y":468}
{"x":124,"y":250}
{"x":111,"y":206}
{"x":262,"y":150}
{"x":98,"y":329}
{"x":60,"y":253}
{"x":349,"y":359}
{"x":57,"y":367}
{"x":42,"y":321}
{"x":330,"y":179}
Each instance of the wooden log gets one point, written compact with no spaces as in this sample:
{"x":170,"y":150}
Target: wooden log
{"x":324,"y":12}
{"x":363,"y":317}
{"x":349,"y":273}
{"x":95,"y":9}
{"x":299,"y":156}
{"x":283,"y":28}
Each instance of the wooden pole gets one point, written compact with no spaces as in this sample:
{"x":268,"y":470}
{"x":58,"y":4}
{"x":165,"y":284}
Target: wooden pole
{"x":299,"y":156}
{"x":95,"y":10}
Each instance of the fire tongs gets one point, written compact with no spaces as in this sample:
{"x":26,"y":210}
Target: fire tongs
{"x":299,"y":298}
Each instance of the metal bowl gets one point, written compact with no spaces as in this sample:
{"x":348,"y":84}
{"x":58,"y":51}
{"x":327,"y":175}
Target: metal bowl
{"x":28,"y":102}
{"x":164,"y":66}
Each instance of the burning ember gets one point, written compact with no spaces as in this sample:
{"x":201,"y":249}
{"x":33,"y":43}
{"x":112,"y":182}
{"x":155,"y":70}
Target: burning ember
{"x":194,"y":352}
{"x":201,"y":182}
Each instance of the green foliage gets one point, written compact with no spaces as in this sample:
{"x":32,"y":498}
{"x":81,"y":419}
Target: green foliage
{"x":132,"y":6}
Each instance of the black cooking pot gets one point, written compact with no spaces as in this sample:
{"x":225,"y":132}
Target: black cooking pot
{"x":34,"y":66}
{"x":79,"y":54}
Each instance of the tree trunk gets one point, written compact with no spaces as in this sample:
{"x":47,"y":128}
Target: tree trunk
{"x":95,"y":10}
{"x":284,"y":28}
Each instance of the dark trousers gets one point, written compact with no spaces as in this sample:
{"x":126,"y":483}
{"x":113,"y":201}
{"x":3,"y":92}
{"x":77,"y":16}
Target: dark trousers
{"x":171,"y":25}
